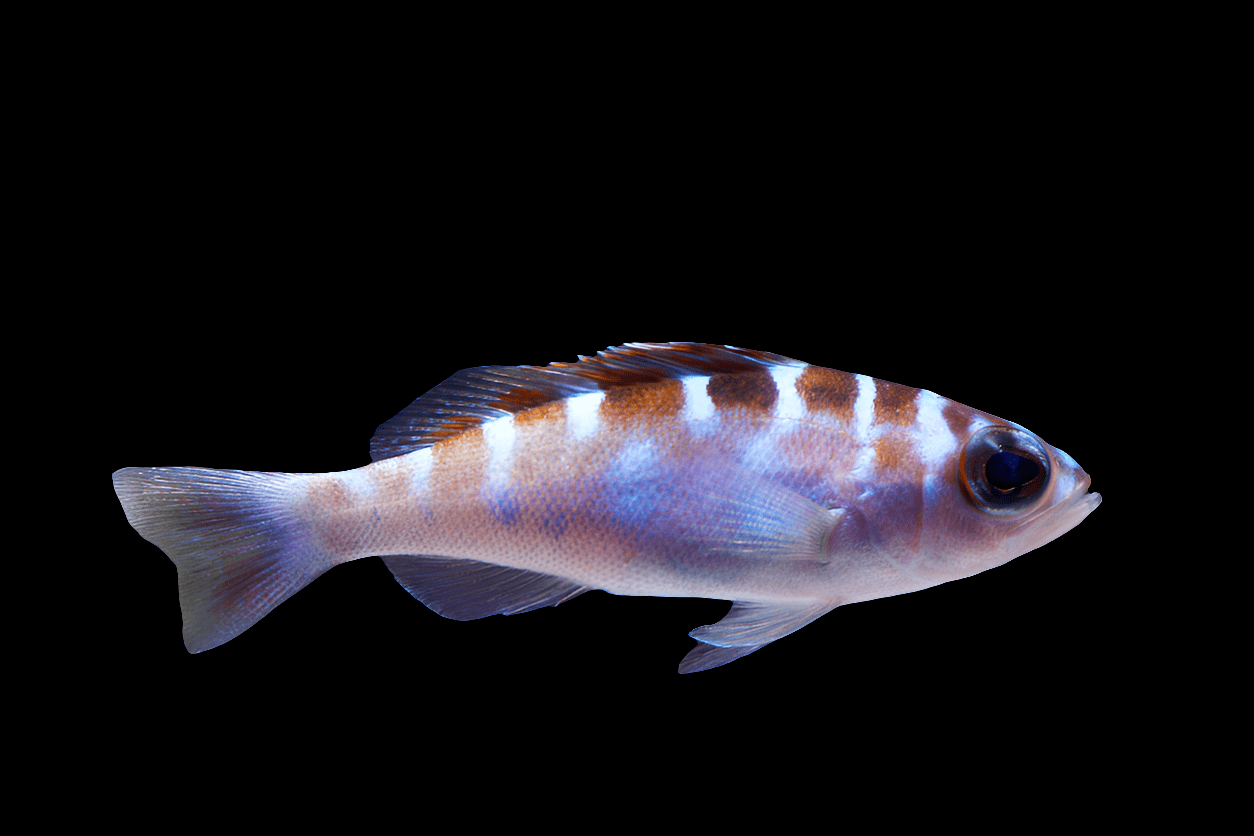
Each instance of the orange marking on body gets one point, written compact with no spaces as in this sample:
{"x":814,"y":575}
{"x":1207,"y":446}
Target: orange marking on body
{"x":329,"y":494}
{"x":958,"y":417}
{"x":332,"y":501}
{"x":896,"y":454}
{"x":827,"y":390}
{"x":894,"y":403}
{"x":459,"y":465}
{"x":391,"y":485}
{"x":551,"y":411}
{"x":641,"y":403}
{"x":749,"y":390}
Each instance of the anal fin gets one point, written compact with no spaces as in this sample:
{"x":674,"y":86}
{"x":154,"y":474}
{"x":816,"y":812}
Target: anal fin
{"x":706,"y":656}
{"x":746,"y":628}
{"x":468,"y":589}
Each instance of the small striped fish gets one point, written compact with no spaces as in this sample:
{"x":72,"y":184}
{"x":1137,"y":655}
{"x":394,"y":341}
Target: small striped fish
{"x":674,"y":469}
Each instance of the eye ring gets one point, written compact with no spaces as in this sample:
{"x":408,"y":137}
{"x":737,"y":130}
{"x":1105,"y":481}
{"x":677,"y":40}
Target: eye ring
{"x":1004,"y":471}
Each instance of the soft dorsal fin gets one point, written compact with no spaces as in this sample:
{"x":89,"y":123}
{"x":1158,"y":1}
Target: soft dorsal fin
{"x":467,"y":589}
{"x":473,"y":396}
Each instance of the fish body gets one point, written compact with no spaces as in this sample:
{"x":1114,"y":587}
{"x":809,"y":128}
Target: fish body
{"x":652,"y":469}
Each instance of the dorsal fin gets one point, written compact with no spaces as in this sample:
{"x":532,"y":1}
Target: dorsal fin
{"x":473,"y":396}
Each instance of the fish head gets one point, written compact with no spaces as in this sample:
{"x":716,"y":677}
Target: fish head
{"x":1006,"y":493}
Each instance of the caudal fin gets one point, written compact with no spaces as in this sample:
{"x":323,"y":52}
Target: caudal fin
{"x":239,"y":548}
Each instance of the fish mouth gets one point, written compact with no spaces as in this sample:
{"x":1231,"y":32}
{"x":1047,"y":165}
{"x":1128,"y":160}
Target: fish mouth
{"x":1079,"y":499}
{"x":1080,"y":494}
{"x":1057,"y":519}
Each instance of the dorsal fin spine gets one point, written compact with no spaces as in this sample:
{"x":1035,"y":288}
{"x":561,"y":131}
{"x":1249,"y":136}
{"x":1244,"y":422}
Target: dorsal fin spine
{"x":474,"y":396}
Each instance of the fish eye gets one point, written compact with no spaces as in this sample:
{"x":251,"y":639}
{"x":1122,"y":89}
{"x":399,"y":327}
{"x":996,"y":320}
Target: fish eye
{"x":1004,"y":470}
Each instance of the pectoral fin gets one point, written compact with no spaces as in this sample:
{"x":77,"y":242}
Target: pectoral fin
{"x":720,"y":508}
{"x":746,"y":628}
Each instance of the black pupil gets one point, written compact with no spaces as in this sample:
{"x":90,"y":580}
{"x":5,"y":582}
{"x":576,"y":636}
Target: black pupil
{"x":1008,"y":471}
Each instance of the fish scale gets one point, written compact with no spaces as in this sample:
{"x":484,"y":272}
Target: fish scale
{"x":674,"y":469}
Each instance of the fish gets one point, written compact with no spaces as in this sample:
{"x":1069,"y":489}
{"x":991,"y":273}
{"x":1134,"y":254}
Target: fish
{"x":649,"y":469}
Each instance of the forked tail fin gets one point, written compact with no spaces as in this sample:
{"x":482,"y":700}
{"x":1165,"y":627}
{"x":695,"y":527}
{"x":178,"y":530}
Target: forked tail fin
{"x":235,"y":537}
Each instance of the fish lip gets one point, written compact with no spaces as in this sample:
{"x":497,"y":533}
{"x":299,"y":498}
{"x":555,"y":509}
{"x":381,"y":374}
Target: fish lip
{"x":1080,"y":492}
{"x":1078,"y":500}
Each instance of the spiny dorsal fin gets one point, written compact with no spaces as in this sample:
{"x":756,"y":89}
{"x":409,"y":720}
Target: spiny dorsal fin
{"x":473,"y":396}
